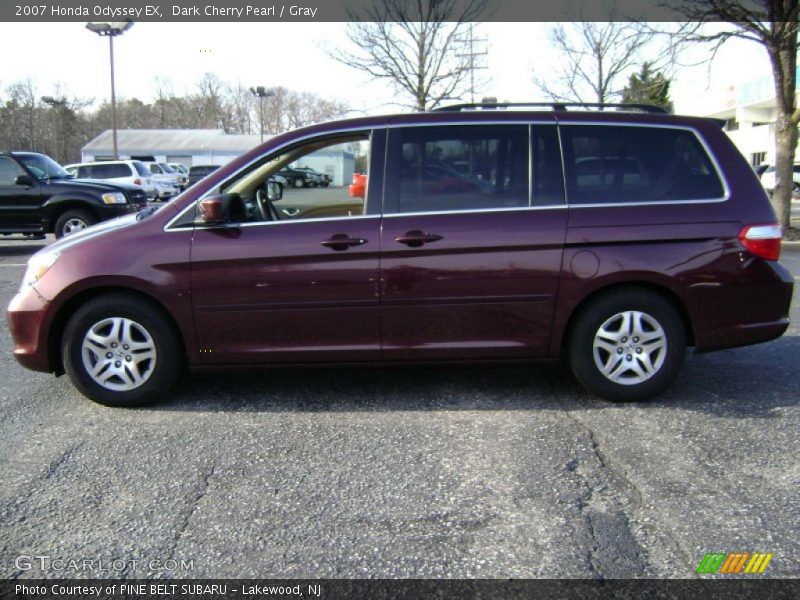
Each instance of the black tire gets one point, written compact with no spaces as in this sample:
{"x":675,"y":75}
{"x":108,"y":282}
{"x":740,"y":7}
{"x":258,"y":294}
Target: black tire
{"x":159,"y":375}
{"x":627,"y":381}
{"x":64,"y":223}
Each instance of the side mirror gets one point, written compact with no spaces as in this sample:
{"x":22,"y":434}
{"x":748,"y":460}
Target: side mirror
{"x":274,"y":191}
{"x":212,"y":210}
{"x":224,"y":210}
{"x":24,"y":180}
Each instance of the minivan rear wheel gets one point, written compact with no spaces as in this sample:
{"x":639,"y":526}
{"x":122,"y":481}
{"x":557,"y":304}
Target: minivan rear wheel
{"x":120,"y":351}
{"x":627,"y":345}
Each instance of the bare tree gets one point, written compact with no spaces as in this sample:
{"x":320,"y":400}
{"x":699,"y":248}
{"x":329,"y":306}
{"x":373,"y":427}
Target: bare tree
{"x":597,"y":59}
{"x":773,"y":24}
{"x":418,"y":45}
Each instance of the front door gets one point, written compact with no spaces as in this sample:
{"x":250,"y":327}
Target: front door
{"x":296,"y":281}
{"x":472,"y":241}
{"x":19,"y":204}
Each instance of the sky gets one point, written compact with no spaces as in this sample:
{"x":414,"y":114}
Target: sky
{"x":65,"y":57}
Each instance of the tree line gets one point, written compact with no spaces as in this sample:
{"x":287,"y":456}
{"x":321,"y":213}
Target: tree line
{"x":60,"y":124}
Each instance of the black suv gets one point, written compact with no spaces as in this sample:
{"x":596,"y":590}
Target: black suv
{"x":37,"y":196}
{"x":301,"y":177}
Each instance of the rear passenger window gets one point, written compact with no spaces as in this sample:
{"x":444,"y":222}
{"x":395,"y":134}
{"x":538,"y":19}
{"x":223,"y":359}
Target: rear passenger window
{"x":608,"y":164}
{"x":462,"y":168}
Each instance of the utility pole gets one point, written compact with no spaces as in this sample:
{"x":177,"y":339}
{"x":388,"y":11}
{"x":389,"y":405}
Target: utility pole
{"x":261,"y":92}
{"x":56,"y":104}
{"x":476,"y":49}
{"x":111,"y":30}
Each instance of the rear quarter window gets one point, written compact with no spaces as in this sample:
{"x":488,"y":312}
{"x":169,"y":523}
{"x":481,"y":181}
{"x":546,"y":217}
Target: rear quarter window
{"x":141,"y":169}
{"x":606,"y":164}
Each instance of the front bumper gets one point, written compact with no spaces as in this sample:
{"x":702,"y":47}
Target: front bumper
{"x":26,"y":318}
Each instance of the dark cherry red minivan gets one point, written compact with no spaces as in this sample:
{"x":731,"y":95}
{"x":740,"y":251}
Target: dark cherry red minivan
{"x":612,"y":239}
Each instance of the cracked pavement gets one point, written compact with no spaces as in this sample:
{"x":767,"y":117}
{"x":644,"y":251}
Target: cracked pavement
{"x":442,"y":471}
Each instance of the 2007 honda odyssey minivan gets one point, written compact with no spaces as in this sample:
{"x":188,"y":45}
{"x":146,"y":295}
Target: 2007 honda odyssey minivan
{"x":614,"y":239}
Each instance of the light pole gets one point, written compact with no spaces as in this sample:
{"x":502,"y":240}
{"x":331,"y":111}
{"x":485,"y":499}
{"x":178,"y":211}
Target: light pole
{"x":261,"y":92}
{"x":55,"y":103}
{"x":111,"y":30}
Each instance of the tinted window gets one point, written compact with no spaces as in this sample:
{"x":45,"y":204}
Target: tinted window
{"x":636,"y":164}
{"x":141,"y":169}
{"x":110,"y":171}
{"x":546,"y":173}
{"x":462,"y":168}
{"x":155,"y":170}
{"x":9,"y":171}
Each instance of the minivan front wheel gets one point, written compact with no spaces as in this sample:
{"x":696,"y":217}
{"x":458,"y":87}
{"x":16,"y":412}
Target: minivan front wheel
{"x":120,"y":351}
{"x":627,"y":345}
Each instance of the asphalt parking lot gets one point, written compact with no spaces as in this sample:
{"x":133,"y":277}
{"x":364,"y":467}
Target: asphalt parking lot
{"x":488,"y":472}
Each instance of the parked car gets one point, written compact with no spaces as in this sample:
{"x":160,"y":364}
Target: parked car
{"x":198,"y":172}
{"x":321,"y":179}
{"x":670,"y":243}
{"x":37,"y":196}
{"x":768,"y":179}
{"x":179,"y":167}
{"x":167,"y":183}
{"x":164,"y":190}
{"x":116,"y":171}
{"x":179,"y":179}
{"x":300,"y":178}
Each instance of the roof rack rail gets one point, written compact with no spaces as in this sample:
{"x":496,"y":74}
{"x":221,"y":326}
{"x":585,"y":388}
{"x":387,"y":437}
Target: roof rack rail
{"x":558,"y":106}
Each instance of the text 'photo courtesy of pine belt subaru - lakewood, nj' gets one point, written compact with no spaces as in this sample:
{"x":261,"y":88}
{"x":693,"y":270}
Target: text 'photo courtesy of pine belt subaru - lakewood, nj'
{"x":610,"y":239}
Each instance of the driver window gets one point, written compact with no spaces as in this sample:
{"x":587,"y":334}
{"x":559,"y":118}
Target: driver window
{"x":324,"y":179}
{"x":9,"y":171}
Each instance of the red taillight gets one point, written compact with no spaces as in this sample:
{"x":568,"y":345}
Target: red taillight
{"x":762,"y":240}
{"x":137,"y":181}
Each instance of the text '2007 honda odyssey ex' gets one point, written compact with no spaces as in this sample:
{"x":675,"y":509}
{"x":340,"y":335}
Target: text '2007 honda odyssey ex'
{"x":613,"y":239}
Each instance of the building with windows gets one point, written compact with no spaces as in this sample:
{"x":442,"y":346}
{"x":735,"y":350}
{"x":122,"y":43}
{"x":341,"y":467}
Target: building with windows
{"x":749,"y":111}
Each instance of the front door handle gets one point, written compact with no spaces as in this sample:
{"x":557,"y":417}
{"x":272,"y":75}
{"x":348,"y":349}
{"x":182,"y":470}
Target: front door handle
{"x":416,"y":238}
{"x":342,"y":241}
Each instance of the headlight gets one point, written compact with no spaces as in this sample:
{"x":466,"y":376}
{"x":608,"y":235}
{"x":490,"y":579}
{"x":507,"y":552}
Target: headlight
{"x":114,"y":198}
{"x":38,"y":265}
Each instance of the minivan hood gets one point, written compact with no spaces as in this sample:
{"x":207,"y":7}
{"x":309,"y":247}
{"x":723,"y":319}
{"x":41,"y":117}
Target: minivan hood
{"x":101,"y":229}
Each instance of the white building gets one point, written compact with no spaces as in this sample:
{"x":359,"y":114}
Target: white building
{"x":750,"y":112}
{"x":208,"y":147}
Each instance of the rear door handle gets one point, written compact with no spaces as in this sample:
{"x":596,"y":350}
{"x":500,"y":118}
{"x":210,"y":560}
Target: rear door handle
{"x":342,"y":241}
{"x":416,"y":238}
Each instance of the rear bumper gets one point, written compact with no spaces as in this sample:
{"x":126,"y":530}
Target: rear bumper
{"x":744,"y":334}
{"x":751,"y":311}
{"x":26,"y":317}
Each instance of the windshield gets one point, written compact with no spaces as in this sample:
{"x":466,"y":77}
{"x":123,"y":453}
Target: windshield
{"x":43,"y":167}
{"x":166,"y":167}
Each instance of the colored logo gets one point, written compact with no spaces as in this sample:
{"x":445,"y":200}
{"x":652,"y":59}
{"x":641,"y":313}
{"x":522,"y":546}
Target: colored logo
{"x":734,"y":563}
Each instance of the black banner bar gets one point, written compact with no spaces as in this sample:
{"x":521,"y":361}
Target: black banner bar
{"x":339,"y":10}
{"x":335,"y":589}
